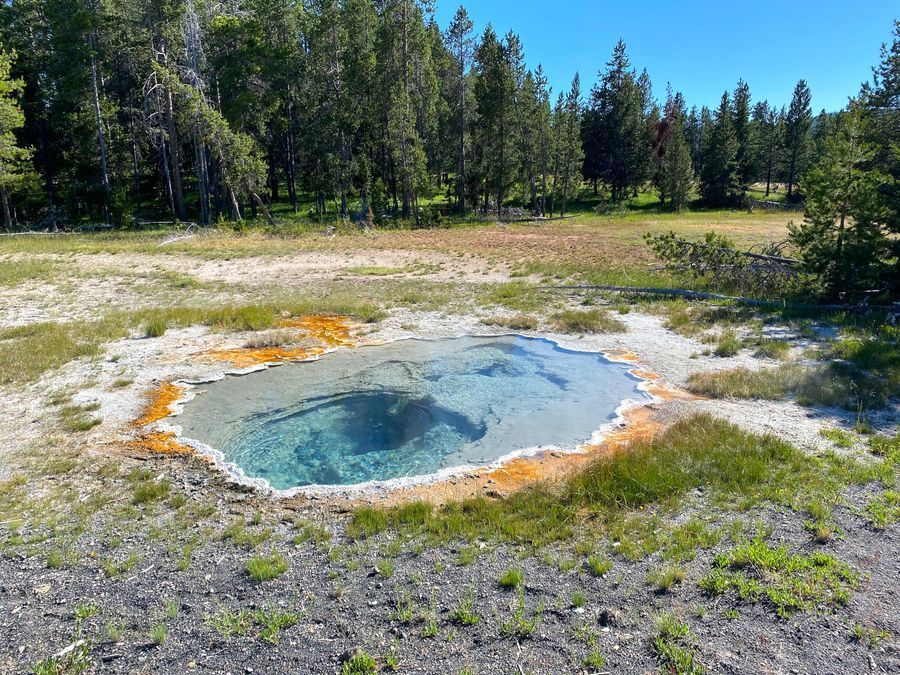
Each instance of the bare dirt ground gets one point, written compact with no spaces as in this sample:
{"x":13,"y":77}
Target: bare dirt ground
{"x":126,"y":560}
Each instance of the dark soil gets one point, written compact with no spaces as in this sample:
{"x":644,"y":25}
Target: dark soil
{"x":345,"y":605}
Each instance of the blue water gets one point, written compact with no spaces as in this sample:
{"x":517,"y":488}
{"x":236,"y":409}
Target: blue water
{"x":407,"y":408}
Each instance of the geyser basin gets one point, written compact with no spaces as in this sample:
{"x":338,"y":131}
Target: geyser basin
{"x":406,"y":409}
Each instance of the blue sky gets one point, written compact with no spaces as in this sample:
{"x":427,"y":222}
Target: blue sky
{"x":701,"y":46}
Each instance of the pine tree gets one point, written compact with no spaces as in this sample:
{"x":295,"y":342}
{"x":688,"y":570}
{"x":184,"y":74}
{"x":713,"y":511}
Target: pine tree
{"x":14,"y":160}
{"x":498,"y":67}
{"x":797,"y":124}
{"x":719,"y":184}
{"x":568,"y":143}
{"x":619,"y":138}
{"x":740,"y":119}
{"x":675,"y":174}
{"x":843,"y":241}
{"x":460,"y":44}
{"x":880,"y":102}
{"x":766,"y":141}
{"x":692,"y":134}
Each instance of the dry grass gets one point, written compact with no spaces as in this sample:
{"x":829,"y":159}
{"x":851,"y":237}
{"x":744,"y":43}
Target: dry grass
{"x":271,"y":338}
{"x":770,"y":384}
{"x":585,"y":243}
{"x":516,"y":322}
{"x":586,"y":321}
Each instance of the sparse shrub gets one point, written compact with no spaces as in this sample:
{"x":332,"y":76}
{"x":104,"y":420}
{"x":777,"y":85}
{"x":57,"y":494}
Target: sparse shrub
{"x":392,"y":659}
{"x":885,"y":446}
{"x":578,"y":599}
{"x":76,"y":417}
{"x":244,"y":537}
{"x":115,"y":630}
{"x":429,"y":628}
{"x":230,"y":622}
{"x":841,"y":438}
{"x":756,"y":570}
{"x":869,"y":635}
{"x":674,"y":646}
{"x":272,"y":621}
{"x":114,"y":569}
{"x":520,"y":625}
{"x":55,"y":559}
{"x":884,"y":509}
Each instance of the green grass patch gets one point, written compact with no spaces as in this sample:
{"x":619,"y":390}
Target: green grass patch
{"x":359,"y":663}
{"x":266,"y":567}
{"x":884,"y":509}
{"x":674,"y":646}
{"x":841,"y":438}
{"x":375,"y":270}
{"x":773,"y":349}
{"x":759,"y":572}
{"x":512,"y":578}
{"x":733,"y":467}
{"x":151,"y":490}
{"x":244,"y":537}
{"x":728,"y":345}
{"x":269,"y":621}
{"x":14,"y":272}
{"x":26,"y":352}
{"x":516,"y":295}
{"x":598,"y":565}
{"x":664,"y":579}
{"x":77,"y":417}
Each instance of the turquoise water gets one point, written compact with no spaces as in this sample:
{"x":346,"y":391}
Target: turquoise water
{"x":408,"y":408}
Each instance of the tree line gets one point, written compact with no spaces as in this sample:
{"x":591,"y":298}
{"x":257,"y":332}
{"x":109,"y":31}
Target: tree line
{"x":123,"y":110}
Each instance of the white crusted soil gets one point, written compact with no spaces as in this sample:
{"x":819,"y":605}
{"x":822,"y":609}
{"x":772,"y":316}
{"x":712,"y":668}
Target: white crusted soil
{"x":147,"y":362}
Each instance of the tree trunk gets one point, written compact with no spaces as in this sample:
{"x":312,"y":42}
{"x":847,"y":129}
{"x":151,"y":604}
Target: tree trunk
{"x":7,"y":216}
{"x":234,"y":205}
{"x":175,"y":173}
{"x":101,"y":136}
{"x":264,"y":209}
{"x":461,"y":178}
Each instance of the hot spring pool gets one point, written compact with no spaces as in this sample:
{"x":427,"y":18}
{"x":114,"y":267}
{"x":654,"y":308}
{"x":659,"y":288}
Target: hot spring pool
{"x":405,"y":409}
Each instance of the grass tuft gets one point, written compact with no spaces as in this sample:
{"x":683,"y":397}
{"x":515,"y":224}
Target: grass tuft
{"x":586,"y":321}
{"x":512,"y":578}
{"x":516,"y":322}
{"x":266,"y":567}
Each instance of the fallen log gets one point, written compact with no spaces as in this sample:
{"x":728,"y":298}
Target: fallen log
{"x":704,"y":295}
